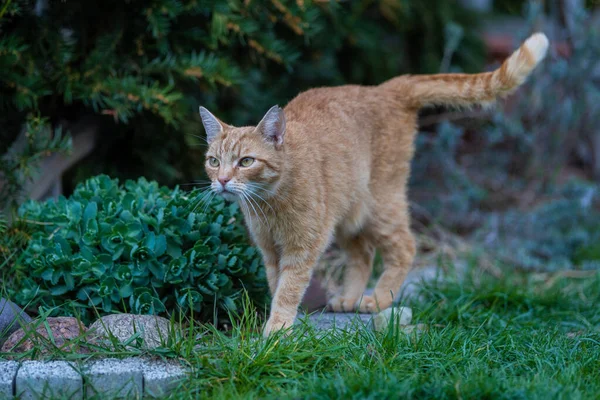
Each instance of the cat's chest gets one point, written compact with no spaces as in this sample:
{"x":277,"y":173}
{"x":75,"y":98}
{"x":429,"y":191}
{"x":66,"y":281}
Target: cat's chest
{"x":269,"y":228}
{"x":279,"y":231}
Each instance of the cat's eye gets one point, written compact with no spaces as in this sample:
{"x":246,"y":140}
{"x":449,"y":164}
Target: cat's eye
{"x":246,"y":161}
{"x":213,"y":162}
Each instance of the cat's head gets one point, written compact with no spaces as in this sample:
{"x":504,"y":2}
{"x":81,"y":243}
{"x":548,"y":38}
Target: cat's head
{"x":246,"y":161}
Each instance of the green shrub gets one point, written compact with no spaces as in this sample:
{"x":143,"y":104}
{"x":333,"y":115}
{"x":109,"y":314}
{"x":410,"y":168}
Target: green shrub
{"x":137,"y":248}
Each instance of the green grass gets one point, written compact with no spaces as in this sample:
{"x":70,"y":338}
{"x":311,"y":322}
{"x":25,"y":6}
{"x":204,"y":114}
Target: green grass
{"x":516,"y":337}
{"x":511,"y":338}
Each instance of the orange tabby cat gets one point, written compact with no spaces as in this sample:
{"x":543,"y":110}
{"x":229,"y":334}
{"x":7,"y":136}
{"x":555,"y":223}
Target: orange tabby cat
{"x":335,"y":163}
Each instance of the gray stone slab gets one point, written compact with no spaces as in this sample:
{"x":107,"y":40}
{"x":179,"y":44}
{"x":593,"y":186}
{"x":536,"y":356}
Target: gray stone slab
{"x":161,"y":378}
{"x":112,"y":378}
{"x":49,"y":379}
{"x":8,"y":374}
{"x":329,"y":320}
{"x":12,"y":317}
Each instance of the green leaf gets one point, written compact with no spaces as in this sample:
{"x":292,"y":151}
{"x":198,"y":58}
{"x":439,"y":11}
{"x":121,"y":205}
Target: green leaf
{"x":47,"y":274}
{"x":160,"y":245}
{"x":134,"y":230}
{"x":90,"y":212}
{"x":73,"y":212}
{"x":58,"y":290}
{"x":157,"y":269}
{"x":126,"y":291}
{"x":95,"y":300}
{"x":215,"y":229}
{"x":149,"y":240}
{"x":69,"y":282}
{"x":106,"y":305}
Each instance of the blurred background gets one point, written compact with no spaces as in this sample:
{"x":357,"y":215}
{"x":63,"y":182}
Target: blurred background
{"x":113,"y":87}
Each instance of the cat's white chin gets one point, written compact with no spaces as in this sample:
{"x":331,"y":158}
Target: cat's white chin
{"x":229,"y":196}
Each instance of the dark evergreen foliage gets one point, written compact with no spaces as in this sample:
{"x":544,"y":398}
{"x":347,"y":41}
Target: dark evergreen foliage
{"x":139,"y":69}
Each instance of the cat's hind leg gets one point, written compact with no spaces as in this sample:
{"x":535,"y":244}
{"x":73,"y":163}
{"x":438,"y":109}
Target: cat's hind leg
{"x":391,"y":232}
{"x":356,"y":273}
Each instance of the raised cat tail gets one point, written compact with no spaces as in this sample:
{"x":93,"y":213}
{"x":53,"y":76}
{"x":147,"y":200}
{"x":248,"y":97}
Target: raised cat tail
{"x":471,"y":89}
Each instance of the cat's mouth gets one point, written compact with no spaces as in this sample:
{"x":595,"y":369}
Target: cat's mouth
{"x":228,"y":193}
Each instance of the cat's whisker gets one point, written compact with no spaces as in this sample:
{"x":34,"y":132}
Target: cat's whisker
{"x":272,"y":194}
{"x":195,"y":199}
{"x":204,"y":197}
{"x":245,"y":194}
{"x":243,"y":202}
{"x":256,"y":202}
{"x":244,"y":190}
{"x":249,"y":201}
{"x":257,"y":186}
{"x":207,"y":202}
{"x":253,"y":193}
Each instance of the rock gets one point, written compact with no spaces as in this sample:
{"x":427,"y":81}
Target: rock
{"x":329,"y":320}
{"x":63,"y":329}
{"x":401,"y":316}
{"x":152,"y":330}
{"x":12,"y":317}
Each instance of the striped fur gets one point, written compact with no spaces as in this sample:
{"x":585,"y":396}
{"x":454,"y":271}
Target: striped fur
{"x":473,"y":89}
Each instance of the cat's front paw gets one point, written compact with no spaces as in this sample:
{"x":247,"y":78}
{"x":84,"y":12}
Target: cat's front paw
{"x":275,"y":323}
{"x":341,"y":304}
{"x":370,"y":305}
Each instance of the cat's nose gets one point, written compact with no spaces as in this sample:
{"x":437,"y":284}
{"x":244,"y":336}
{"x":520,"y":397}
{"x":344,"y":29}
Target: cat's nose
{"x":223,"y":180}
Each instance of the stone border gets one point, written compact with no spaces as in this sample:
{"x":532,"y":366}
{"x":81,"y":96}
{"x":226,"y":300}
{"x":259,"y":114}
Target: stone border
{"x":126,"y":378}
{"x":132,"y":377}
{"x":136,"y":377}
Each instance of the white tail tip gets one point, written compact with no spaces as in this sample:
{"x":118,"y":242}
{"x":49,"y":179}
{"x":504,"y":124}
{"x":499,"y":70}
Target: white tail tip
{"x":537,"y":44}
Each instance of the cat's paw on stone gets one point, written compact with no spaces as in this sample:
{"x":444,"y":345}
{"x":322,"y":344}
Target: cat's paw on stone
{"x":370,"y":305}
{"x":341,"y":304}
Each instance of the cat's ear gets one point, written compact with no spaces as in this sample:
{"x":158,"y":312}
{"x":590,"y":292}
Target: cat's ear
{"x":212,"y":125}
{"x":272,"y":126}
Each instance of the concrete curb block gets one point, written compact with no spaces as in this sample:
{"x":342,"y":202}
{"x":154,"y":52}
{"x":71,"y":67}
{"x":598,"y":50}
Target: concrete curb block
{"x":8,"y":373}
{"x":161,"y":378}
{"x":52,"y":379}
{"x":114,"y":378}
{"x":106,"y":378}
